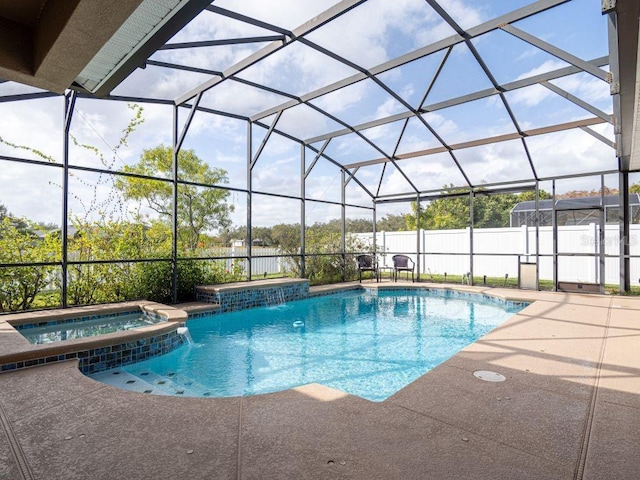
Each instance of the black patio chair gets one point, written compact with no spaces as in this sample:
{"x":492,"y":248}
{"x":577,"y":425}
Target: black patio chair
{"x":367,"y":263}
{"x":402,"y":263}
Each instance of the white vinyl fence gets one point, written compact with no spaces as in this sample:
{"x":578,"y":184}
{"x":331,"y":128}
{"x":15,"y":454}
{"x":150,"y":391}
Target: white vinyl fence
{"x":268,"y":265}
{"x":496,"y":251}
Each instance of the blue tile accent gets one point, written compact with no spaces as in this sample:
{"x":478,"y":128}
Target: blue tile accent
{"x":445,"y":293}
{"x":333,"y":292}
{"x":49,"y":323}
{"x":103,"y":358}
{"x":253,"y":297}
{"x":202,"y":313}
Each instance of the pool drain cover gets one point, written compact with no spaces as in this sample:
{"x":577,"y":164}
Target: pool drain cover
{"x":489,"y":376}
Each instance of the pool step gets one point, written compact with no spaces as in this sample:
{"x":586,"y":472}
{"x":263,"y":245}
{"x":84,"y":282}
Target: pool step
{"x":149,"y":382}
{"x":120,"y":379}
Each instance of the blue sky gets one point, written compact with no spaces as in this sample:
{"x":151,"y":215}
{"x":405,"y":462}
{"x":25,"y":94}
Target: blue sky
{"x":368,"y":36}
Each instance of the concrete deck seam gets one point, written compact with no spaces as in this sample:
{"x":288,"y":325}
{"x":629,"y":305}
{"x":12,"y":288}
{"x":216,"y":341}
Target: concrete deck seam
{"x":475,"y":434}
{"x":618,"y":404}
{"x":14,"y":446}
{"x":239,"y":469}
{"x":582,"y":460}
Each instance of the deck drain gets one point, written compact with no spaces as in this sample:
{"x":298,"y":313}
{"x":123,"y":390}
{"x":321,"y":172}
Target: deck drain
{"x":489,"y":376}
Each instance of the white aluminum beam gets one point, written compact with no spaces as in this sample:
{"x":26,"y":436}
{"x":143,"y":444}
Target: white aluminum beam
{"x":486,"y":141}
{"x":496,"y":23}
{"x":526,"y":82}
{"x":558,"y":53}
{"x":325,"y":17}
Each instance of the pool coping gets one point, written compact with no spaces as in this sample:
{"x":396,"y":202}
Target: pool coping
{"x":251,"y":285}
{"x":507,"y":295}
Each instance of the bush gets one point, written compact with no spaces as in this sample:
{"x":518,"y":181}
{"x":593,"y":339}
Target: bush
{"x":152,"y":281}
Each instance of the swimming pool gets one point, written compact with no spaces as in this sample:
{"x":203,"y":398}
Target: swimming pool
{"x":369,"y":344}
{"x":87,"y":326}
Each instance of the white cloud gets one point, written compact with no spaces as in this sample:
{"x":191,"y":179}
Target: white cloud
{"x":570,"y":152}
{"x":29,"y":190}
{"x":443,"y":126}
{"x":389,"y":107}
{"x":529,"y":96}
{"x":528,"y":53}
{"x":588,"y":88}
{"x":286,"y":13}
{"x":304,"y":122}
{"x":33,"y":123}
{"x":343,"y":99}
{"x":546,"y":66}
{"x":368,"y":34}
{"x":433,"y":172}
{"x":32,"y":191}
{"x":463,"y":12}
{"x":267,"y":211}
{"x":498,"y":162}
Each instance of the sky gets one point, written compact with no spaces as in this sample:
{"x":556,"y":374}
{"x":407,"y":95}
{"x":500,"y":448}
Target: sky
{"x":367,"y":36}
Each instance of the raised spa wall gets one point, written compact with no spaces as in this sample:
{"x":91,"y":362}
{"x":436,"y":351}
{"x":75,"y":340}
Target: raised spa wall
{"x":260,"y":293}
{"x":94,"y":353}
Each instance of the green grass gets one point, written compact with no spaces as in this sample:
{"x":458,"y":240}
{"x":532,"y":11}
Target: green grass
{"x":546,"y":285}
{"x":509,"y":282}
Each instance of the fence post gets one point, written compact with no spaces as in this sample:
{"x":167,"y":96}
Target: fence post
{"x":471,"y":226}
{"x":424,"y":248}
{"x":384,"y":246}
{"x":594,"y":233}
{"x":468,"y":236}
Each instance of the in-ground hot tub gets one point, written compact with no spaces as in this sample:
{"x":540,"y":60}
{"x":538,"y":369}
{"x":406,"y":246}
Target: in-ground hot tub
{"x":49,"y":331}
{"x":98,"y":337}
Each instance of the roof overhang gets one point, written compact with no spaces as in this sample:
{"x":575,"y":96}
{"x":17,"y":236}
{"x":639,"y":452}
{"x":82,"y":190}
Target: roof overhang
{"x":85,"y":44}
{"x":624,"y":37}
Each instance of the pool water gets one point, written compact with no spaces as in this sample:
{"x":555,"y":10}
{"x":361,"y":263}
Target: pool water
{"x":79,"y":328}
{"x":366,"y":344}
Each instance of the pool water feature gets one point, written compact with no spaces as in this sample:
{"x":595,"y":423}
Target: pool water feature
{"x":68,"y":329}
{"x":369,"y":344}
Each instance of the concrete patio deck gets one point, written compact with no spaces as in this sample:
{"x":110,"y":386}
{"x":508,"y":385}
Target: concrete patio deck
{"x":569,"y":409}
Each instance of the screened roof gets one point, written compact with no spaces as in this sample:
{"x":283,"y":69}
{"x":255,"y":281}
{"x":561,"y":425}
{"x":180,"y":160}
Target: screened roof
{"x":573,"y":203}
{"x":408,"y":97}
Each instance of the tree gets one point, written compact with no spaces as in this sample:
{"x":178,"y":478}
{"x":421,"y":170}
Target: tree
{"x":489,"y":211}
{"x":286,"y":237}
{"x":589,"y":193}
{"x":392,"y":223}
{"x":112,"y":240}
{"x":19,"y":223}
{"x":19,"y":244}
{"x":199,"y":210}
{"x":442,"y":213}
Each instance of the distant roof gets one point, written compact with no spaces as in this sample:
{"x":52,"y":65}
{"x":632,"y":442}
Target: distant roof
{"x":569,"y":203}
